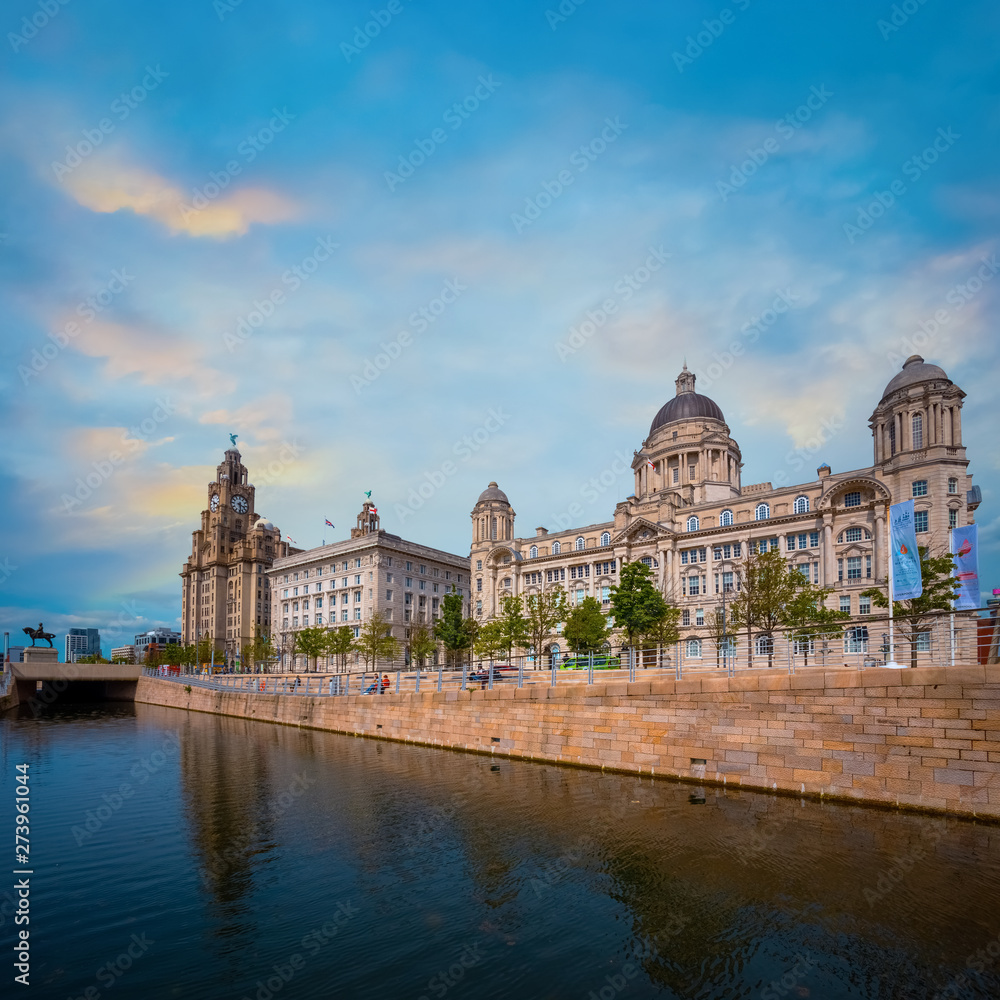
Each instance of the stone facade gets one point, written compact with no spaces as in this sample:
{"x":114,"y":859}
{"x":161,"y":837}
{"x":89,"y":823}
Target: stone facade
{"x":225,"y":594}
{"x":691,"y":518}
{"x":345,"y":582}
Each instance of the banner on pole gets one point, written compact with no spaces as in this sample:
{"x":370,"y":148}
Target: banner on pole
{"x":906,"y":579}
{"x":965,"y":548}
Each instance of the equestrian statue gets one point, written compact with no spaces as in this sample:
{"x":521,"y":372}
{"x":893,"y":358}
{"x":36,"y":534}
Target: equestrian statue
{"x":40,"y":633}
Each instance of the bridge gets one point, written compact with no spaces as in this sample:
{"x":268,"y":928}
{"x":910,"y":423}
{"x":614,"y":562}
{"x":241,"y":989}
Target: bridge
{"x":45,"y":680}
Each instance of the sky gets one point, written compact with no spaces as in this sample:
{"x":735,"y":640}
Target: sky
{"x":416,"y":247}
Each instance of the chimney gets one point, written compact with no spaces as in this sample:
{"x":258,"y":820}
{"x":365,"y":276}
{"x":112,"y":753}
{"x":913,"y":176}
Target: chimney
{"x":823,"y":471}
{"x":541,"y":531}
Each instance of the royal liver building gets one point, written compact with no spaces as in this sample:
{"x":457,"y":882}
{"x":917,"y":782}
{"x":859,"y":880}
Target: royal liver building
{"x":691,"y":516}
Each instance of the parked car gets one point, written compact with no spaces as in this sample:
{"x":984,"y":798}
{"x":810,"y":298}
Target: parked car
{"x":601,"y":662}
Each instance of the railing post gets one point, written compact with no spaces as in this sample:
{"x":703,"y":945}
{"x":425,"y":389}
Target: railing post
{"x":464,"y":669}
{"x":520,"y":673}
{"x":440,"y":676}
{"x":398,"y":673}
{"x":491,"y":674}
{"x":418,"y":680}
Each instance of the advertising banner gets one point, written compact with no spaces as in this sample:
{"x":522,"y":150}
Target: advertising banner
{"x":965,"y":548}
{"x":906,"y":580}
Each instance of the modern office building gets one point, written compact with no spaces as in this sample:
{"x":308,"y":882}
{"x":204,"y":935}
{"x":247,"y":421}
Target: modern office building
{"x":345,"y":582}
{"x":691,"y":517}
{"x":225,"y":595}
{"x":82,"y":642}
{"x":159,"y":636}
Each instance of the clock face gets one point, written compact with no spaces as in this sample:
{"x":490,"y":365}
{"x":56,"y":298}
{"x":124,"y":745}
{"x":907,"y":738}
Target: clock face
{"x":214,"y":503}
{"x":239,"y":504}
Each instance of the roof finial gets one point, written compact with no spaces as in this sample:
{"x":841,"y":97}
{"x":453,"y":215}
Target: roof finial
{"x":685,"y":381}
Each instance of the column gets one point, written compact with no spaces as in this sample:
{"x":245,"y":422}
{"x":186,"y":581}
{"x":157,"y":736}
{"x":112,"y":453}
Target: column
{"x":878,"y":564}
{"x":829,"y":565}
{"x":957,"y":425}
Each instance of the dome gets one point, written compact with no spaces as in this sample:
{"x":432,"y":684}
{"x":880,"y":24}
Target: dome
{"x":915,"y":370}
{"x":686,"y":406}
{"x":264,"y":524}
{"x":493,"y":492}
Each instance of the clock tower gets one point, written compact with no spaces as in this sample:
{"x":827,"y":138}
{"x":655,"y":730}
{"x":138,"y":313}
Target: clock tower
{"x":225,"y":595}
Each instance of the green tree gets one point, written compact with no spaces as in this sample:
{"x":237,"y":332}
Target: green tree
{"x":456,"y":632}
{"x":765,"y":588}
{"x":312,"y":643}
{"x":635,"y":602}
{"x":543,"y":612}
{"x":721,"y":631}
{"x":375,"y":641}
{"x":422,"y":644}
{"x":92,"y":658}
{"x":340,"y":643}
{"x":203,"y":650}
{"x":513,"y":625}
{"x":664,"y":631}
{"x":586,"y":627}
{"x":916,"y":615}
{"x":491,"y":640}
{"x":809,"y":618}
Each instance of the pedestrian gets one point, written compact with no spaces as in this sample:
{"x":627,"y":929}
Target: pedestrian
{"x":298,"y":681}
{"x":385,"y":683}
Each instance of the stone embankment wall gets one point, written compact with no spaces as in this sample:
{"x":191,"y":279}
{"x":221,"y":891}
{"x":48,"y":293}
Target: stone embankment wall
{"x":925,"y":738}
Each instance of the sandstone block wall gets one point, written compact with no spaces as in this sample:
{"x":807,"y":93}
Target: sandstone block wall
{"x":927,"y":738}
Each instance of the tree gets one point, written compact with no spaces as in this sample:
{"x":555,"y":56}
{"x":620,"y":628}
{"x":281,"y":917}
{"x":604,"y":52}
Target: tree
{"x":586,"y":627}
{"x":513,"y":625}
{"x":913,"y":616}
{"x":809,"y":618}
{"x":376,"y":642}
{"x":339,"y":643}
{"x":203,"y":650}
{"x":664,"y":631}
{"x":765,"y":588}
{"x":312,"y":643}
{"x":456,"y":632}
{"x":635,"y":603}
{"x":92,"y":658}
{"x":718,"y":626}
{"x":422,"y":644}
{"x":491,"y":640}
{"x":543,"y":612}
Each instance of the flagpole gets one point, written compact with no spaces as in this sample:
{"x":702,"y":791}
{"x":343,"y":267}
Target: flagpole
{"x":891,"y":661}
{"x":951,"y":549}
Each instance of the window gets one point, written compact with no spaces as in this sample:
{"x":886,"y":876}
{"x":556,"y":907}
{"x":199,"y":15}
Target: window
{"x":357,"y":614}
{"x":727,"y":582}
{"x":852,"y":535}
{"x":952,"y":518}
{"x":845,"y":603}
{"x":580,"y":594}
{"x":677,"y":474}
{"x":923,"y":642}
{"x":852,"y":499}
{"x":580,"y":543}
{"x":693,"y":585}
{"x":854,"y":567}
{"x":388,"y":595}
{"x":953,"y":485}
{"x":685,"y":617}
{"x":840,"y":569}
{"x":605,"y":595}
{"x":856,"y":639}
{"x":605,"y":538}
{"x":726,"y":518}
{"x":920,"y":521}
{"x":556,"y":548}
{"x":533,"y":552}
{"x":762,"y":512}
{"x":692,"y":523}
{"x":764,"y":645}
{"x":790,"y":543}
{"x":864,"y":605}
{"x":801,"y":505}
{"x":892,"y":437}
{"x":699,"y":616}
{"x":918,"y":430}
{"x":343,"y":615}
{"x":919,"y":488}
{"x":737,"y":550}
{"x":694,"y":649}
{"x":813,"y":540}
{"x":479,"y":564}
{"x":506,"y":581}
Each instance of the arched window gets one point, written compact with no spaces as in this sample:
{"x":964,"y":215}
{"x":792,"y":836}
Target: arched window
{"x":801,"y":505}
{"x":606,"y":537}
{"x":533,"y":552}
{"x":918,"y":430}
{"x":580,"y":543}
{"x":762,"y":512}
{"x":493,"y":533}
{"x":764,"y":645}
{"x":556,"y":548}
{"x":692,"y":523}
{"x":726,"y":518}
{"x":694,"y":649}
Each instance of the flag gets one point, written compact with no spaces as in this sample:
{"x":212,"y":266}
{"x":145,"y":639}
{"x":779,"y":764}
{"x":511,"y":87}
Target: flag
{"x":329,"y":522}
{"x":289,"y":538}
{"x":374,"y":509}
{"x":965,"y":548}
{"x":650,"y":464}
{"x":906,"y":580}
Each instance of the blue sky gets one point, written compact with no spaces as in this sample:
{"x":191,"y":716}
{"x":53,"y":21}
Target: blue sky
{"x":477,"y":179}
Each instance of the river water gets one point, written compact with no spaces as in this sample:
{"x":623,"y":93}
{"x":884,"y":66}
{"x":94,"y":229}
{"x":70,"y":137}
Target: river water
{"x":242,"y":859}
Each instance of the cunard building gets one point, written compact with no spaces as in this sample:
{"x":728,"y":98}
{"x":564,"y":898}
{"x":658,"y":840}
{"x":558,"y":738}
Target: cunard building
{"x":225,"y":592}
{"x":691,"y":517}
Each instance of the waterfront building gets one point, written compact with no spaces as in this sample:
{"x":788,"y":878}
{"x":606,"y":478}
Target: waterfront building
{"x":159,"y":636}
{"x":345,"y":582}
{"x":82,"y":642}
{"x":691,"y":517}
{"x":225,"y":595}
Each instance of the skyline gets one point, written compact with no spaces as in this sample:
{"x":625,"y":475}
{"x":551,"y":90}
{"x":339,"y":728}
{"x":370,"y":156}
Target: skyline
{"x":462,"y":197}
